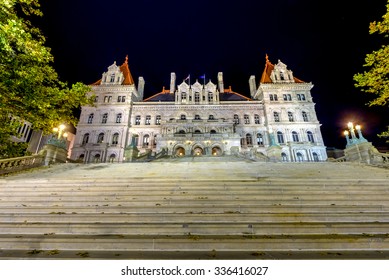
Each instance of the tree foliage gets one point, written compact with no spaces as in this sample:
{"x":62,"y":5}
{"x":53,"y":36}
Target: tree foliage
{"x":29,"y":86}
{"x":376,"y":79}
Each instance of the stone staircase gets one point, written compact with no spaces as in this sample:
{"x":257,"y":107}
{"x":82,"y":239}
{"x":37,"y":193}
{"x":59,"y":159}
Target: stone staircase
{"x":200,"y":209}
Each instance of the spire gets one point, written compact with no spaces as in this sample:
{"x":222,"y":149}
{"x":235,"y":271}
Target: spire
{"x":267,"y":71}
{"x":128,"y":80}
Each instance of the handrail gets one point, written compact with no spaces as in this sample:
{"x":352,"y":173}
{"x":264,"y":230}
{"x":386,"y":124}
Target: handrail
{"x":10,"y":165}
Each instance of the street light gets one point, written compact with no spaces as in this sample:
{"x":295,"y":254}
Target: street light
{"x":61,"y":131}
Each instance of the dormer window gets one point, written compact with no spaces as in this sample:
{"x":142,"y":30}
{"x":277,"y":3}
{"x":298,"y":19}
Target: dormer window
{"x":112,"y":78}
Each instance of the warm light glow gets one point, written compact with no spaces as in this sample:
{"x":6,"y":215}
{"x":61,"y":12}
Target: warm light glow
{"x":350,"y":125}
{"x":62,"y":127}
{"x":55,"y":129}
{"x":65,"y":135}
{"x":346,"y":133}
{"x":358,"y":127}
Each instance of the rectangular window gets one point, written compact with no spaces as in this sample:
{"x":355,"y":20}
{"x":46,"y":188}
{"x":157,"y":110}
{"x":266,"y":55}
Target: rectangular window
{"x":137,"y":120}
{"x":158,"y":120}
{"x":246,"y":119}
{"x":148,"y":119}
{"x":256,"y":119}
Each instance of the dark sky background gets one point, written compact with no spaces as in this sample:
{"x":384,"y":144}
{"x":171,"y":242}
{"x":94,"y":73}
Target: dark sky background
{"x":323,"y":42}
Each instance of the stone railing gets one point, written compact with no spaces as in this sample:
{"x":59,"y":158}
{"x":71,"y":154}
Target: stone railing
{"x":381,"y":159}
{"x":10,"y":165}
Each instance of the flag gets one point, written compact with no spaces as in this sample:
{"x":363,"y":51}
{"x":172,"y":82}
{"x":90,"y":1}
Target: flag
{"x":187,"y":78}
{"x":202,"y":77}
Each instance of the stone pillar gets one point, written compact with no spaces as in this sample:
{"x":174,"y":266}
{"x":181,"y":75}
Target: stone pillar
{"x":53,"y":154}
{"x":360,"y":152}
{"x":274,"y":153}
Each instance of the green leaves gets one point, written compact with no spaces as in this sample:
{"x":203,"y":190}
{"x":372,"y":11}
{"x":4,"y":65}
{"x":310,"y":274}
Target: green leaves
{"x":29,"y":85}
{"x":376,"y":79}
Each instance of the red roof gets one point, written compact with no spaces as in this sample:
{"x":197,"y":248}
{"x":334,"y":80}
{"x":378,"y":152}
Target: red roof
{"x":269,"y":67}
{"x":128,"y":80}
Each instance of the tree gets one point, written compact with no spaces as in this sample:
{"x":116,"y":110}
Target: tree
{"x":29,"y":86}
{"x":376,"y":79}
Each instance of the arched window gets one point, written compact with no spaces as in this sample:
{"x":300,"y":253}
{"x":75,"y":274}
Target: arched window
{"x":105,"y":118}
{"x":284,"y":157}
{"x":249,"y":140}
{"x":181,"y":131}
{"x":305,"y":116}
{"x":115,"y":139}
{"x":119,"y":118}
{"x":182,"y":117}
{"x":259,"y":139}
{"x":197,"y":131}
{"x":290,"y":117}
{"x":315,"y":157}
{"x":276,"y":117}
{"x":256,"y":119}
{"x":85,"y":139}
{"x":96,"y":158}
{"x":146,"y":140}
{"x":236,"y":119}
{"x":90,"y":118}
{"x":310,"y":137}
{"x":280,"y":137}
{"x":112,"y":158}
{"x":100,"y":138}
{"x":213,"y":131}
{"x":299,"y":157}
{"x":197,"y":117}
{"x":295,"y":136}
{"x":211,"y":117}
{"x":246,"y":119}
{"x":81,"y":157}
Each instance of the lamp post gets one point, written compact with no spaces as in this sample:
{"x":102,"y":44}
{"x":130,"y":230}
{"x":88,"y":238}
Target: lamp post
{"x":360,"y":136}
{"x":354,"y":140}
{"x":60,"y":140}
{"x":346,"y":134}
{"x":61,"y":131}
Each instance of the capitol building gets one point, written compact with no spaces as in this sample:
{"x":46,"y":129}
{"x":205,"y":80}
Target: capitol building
{"x":277,"y":122}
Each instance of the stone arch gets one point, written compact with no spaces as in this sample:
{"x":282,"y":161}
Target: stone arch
{"x":216,"y":150}
{"x":179,"y":151}
{"x":198,"y":150}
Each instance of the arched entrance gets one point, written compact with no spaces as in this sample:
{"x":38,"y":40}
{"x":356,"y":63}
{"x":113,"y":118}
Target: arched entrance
{"x":180,"y":152}
{"x":216,"y":151}
{"x":197,"y":151}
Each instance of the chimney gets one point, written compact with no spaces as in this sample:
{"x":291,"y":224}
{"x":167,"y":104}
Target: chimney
{"x":253,"y":87}
{"x":220,"y":82}
{"x":141,"y":87}
{"x":172,"y":82}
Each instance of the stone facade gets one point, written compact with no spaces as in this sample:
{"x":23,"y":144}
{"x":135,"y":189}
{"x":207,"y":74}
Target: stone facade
{"x":277,"y":122}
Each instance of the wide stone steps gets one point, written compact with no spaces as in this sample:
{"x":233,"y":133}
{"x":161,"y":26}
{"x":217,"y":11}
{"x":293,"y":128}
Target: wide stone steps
{"x":245,"y":210}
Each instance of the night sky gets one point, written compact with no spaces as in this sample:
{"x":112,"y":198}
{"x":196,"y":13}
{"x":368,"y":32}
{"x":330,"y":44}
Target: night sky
{"x":323,"y":42}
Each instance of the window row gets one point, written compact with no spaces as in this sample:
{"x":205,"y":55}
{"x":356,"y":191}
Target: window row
{"x":104,"y":118}
{"x":295,"y":137}
{"x":287,"y":97}
{"x":100,"y":138}
{"x":299,"y":157}
{"x":246,"y":119}
{"x":197,"y":96}
{"x":108,"y":98}
{"x":291,"y":117}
